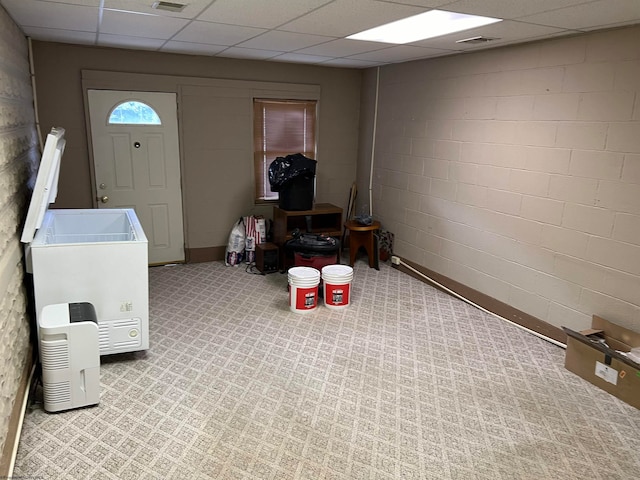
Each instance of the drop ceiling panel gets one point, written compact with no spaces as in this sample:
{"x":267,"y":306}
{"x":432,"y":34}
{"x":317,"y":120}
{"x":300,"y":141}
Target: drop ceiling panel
{"x":249,"y":53}
{"x":108,"y":40}
{"x":404,"y":52}
{"x":192,"y":48}
{"x":87,"y":3}
{"x":420,"y":3}
{"x":345,"y":17}
{"x":266,"y":29}
{"x":284,"y":41}
{"x":509,"y":9}
{"x":135,"y":25}
{"x":67,"y":36}
{"x":503,"y":32}
{"x":265,"y":14}
{"x":216,"y":33}
{"x":343,"y":47}
{"x":34,"y":13}
{"x":300,"y":58}
{"x":603,"y":12}
{"x":351,"y":63}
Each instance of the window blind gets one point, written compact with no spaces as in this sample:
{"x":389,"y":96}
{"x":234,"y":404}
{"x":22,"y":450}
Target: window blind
{"x":280,"y":128}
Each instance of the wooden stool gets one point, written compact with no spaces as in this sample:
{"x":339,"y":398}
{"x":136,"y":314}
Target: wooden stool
{"x":361,"y":236}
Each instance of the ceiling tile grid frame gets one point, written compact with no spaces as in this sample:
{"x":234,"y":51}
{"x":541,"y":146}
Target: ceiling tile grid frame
{"x":304,"y":31}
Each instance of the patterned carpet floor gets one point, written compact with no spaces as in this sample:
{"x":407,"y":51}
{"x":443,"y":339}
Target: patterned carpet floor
{"x":405,"y":383}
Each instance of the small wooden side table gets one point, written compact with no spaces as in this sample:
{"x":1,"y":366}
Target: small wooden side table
{"x":361,"y":236}
{"x":325,"y":219}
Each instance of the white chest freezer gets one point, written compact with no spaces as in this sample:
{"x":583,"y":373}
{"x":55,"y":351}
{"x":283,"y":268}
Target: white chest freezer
{"x":88,"y":255}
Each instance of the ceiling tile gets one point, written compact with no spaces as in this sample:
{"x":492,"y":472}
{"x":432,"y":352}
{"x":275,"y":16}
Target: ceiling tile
{"x":192,"y":48}
{"x":345,"y":17}
{"x":506,"y":32}
{"x":313,"y":28}
{"x":216,"y":33}
{"x":34,"y":13}
{"x":54,"y":35}
{"x":343,"y":47}
{"x":509,"y":9}
{"x":261,"y":13}
{"x":350,"y":63}
{"x":108,"y":40}
{"x":253,"y":53}
{"x":603,"y":12}
{"x":299,"y":58}
{"x":420,"y":3}
{"x":86,"y":3}
{"x":399,"y":52}
{"x":140,"y":25}
{"x":284,"y":41}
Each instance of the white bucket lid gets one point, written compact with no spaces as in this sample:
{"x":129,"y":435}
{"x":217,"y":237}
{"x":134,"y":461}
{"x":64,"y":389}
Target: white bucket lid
{"x":304,"y":273}
{"x":337,"y":271}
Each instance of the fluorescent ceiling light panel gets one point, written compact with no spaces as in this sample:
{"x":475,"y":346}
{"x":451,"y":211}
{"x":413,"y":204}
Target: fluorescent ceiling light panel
{"x":433,"y":23}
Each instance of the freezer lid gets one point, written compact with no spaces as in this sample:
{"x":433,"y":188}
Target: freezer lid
{"x":46,"y":187}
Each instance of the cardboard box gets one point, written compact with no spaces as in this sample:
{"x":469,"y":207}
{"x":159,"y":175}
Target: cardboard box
{"x":594,"y":355}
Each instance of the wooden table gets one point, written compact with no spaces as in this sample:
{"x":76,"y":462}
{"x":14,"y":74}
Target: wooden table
{"x":323,"y":219}
{"x":362,"y":236}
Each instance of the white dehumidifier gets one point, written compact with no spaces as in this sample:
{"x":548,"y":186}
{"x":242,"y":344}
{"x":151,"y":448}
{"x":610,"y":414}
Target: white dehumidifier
{"x":70,"y":356}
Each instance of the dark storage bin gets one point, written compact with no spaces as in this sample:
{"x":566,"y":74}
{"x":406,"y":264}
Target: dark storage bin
{"x":297,"y":194}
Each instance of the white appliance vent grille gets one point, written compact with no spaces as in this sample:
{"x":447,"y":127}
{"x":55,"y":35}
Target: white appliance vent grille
{"x":130,"y":343}
{"x":118,"y":335}
{"x":58,"y":392}
{"x":103,"y":336}
{"x":124,"y":323}
{"x":55,"y":355}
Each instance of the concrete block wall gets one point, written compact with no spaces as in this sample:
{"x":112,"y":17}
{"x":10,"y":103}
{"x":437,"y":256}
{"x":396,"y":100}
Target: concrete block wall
{"x":516,"y":171}
{"x":18,"y":154}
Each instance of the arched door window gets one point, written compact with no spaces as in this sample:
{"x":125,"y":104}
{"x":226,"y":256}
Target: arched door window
{"x":133,"y":112}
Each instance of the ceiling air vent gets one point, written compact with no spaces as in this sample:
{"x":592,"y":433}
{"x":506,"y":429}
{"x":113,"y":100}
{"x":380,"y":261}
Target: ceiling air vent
{"x":168,"y":6}
{"x":477,"y":40}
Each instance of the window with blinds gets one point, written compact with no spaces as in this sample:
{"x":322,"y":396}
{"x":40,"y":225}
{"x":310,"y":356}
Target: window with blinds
{"x":280,"y":128}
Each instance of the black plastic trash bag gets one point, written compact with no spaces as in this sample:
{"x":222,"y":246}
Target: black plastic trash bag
{"x":285,"y":169}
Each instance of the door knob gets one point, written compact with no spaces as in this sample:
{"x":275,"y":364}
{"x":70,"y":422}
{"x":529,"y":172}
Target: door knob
{"x":104,"y":199}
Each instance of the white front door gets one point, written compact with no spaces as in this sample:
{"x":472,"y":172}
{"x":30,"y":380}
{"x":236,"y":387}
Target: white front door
{"x":137,"y":164}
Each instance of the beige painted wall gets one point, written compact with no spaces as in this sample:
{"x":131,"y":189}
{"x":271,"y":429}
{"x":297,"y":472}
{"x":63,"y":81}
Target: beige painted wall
{"x":516,"y":171}
{"x":18,"y":151}
{"x":217,"y":180}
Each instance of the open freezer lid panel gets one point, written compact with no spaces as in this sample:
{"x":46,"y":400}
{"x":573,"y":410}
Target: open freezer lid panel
{"x":45,"y":190}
